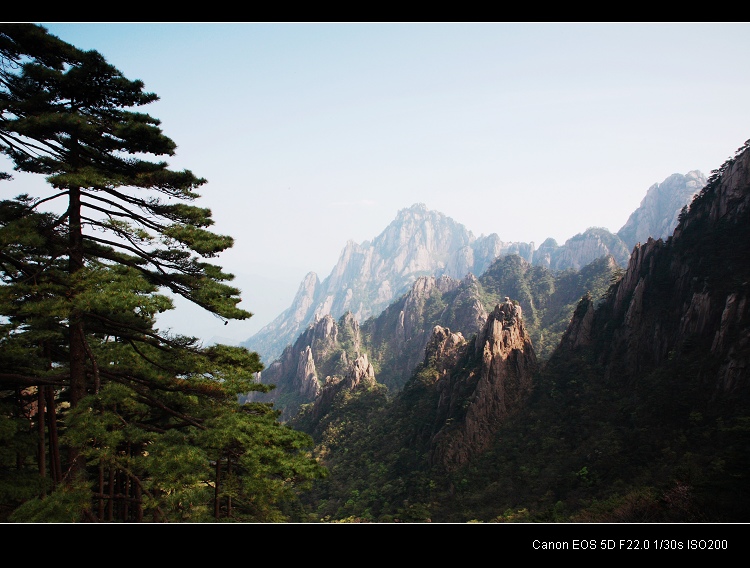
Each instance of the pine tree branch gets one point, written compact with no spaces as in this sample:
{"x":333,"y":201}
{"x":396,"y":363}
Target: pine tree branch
{"x":17,"y":379}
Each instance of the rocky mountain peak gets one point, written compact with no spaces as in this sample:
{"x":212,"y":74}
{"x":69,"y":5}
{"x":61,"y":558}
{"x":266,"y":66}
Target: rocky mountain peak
{"x":360,"y":374}
{"x":307,"y":379}
{"x":419,"y":242}
{"x":369,"y":276}
{"x":443,"y":348}
{"x":326,"y":350}
{"x":658,"y":213}
{"x":582,"y":249}
{"x":686,"y":293}
{"x":473,"y":404}
{"x":504,"y":327}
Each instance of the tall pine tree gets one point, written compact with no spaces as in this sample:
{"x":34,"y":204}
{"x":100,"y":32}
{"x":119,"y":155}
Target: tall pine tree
{"x":150,"y":420}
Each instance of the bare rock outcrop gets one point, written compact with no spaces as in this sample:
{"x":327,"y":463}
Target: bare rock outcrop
{"x":578,"y":333}
{"x":399,"y":335}
{"x":658,"y":214}
{"x":472,"y":406}
{"x":306,"y":377}
{"x":325,"y":348}
{"x":370,"y":275}
{"x":360,"y":375}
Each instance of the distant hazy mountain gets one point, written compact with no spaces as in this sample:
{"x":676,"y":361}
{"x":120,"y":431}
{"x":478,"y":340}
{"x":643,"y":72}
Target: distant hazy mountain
{"x":581,"y":249}
{"x":419,"y":242}
{"x":371,"y":275}
{"x":657,"y":215}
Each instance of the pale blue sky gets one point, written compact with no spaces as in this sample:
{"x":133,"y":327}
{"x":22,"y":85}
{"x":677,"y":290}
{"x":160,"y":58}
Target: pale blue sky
{"x":312,"y":134}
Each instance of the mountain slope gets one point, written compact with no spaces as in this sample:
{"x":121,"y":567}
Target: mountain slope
{"x":369,"y":276}
{"x":641,"y":415}
{"x":684,"y":295}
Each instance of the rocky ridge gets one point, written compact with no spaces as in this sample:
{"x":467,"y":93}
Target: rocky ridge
{"x":371,"y":275}
{"x":360,"y":375}
{"x":327,"y":348}
{"x":682,"y":294}
{"x":395,"y":340}
{"x":659,"y":211}
{"x":640,"y":414}
{"x":472,"y":406}
{"x":419,"y":242}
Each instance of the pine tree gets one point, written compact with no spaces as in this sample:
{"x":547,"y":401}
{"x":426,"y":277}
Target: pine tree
{"x":150,"y":420}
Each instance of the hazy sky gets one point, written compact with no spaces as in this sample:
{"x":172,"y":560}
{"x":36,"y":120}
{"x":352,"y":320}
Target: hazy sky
{"x":312,"y":134}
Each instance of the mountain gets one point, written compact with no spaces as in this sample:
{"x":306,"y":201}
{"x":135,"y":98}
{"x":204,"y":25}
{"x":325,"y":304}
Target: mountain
{"x":394,"y":342}
{"x":368,"y":276}
{"x":684,"y":296}
{"x":420,"y":242}
{"x":641,"y":413}
{"x":473,"y":404}
{"x":581,"y":249}
{"x":658,"y":213}
{"x":327,"y":349}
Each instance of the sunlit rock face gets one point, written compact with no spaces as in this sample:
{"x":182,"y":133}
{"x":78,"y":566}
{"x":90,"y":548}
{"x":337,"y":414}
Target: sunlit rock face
{"x":326,"y":348}
{"x":472,"y":406}
{"x":398,"y":336}
{"x":360,"y":375}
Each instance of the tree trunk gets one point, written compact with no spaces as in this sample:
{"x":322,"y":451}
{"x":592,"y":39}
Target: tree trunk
{"x":101,"y":491}
{"x":55,"y":466}
{"x":111,"y":500}
{"x":77,"y":334}
{"x":41,"y":442}
{"x":229,"y":497}
{"x":217,"y":503}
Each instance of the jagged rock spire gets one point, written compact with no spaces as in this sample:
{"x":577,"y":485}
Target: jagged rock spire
{"x":473,"y":405}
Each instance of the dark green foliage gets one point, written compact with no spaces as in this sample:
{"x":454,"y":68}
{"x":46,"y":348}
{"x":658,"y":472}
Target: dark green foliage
{"x":586,"y":449}
{"x":102,"y":416}
{"x":359,"y":489}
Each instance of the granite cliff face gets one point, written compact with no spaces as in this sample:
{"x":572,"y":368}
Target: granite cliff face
{"x":658,"y":213}
{"x":548,"y":297}
{"x":582,"y":249}
{"x":473,"y":405}
{"x":476,"y":257}
{"x":360,"y":375}
{"x":397,"y":338}
{"x":419,"y":242}
{"x":326,"y":349}
{"x":370,"y":276}
{"x":273,"y":338}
